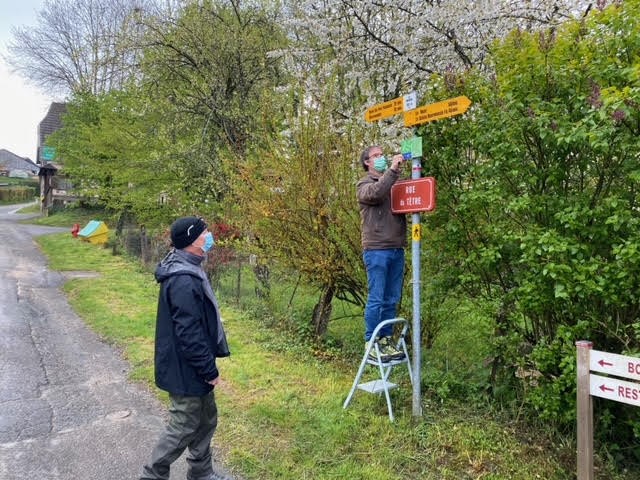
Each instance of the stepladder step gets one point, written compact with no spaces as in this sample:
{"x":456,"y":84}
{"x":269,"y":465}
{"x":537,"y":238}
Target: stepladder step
{"x":389,"y":363}
{"x":376,"y":386}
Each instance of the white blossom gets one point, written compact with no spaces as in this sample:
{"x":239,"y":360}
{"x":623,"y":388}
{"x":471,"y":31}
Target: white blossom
{"x":382,"y":49}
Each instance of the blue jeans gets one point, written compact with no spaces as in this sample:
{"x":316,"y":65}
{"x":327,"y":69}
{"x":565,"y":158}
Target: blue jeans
{"x":385,"y":269}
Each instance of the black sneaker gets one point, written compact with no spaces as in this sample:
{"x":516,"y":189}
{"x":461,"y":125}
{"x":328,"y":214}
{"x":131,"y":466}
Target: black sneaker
{"x":213,"y":476}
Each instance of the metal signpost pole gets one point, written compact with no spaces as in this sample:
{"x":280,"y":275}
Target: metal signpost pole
{"x":410,"y":197}
{"x":415,"y":333}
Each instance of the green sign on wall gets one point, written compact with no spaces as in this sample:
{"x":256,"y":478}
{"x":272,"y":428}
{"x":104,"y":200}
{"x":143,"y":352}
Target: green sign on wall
{"x":48,"y":153}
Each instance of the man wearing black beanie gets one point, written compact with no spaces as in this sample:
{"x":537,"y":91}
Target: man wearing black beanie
{"x":185,"y":231}
{"x":189,"y":338}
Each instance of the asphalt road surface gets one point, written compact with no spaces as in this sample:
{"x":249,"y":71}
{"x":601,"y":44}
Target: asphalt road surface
{"x":67,"y":410}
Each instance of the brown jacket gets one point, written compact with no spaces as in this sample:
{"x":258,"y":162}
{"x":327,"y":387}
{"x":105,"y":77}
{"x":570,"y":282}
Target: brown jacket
{"x":380,"y":227}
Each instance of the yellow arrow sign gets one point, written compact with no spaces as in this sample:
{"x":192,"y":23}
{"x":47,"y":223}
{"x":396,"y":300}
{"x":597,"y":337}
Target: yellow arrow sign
{"x":384,"y":110}
{"x":436,"y":111}
{"x":392,"y":107}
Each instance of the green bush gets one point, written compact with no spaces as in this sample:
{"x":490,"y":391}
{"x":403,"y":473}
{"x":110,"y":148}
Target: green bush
{"x":538,"y":210}
{"x":17,"y":194}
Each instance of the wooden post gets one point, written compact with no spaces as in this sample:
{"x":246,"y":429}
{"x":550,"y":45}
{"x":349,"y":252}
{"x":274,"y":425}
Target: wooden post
{"x":238,"y":280}
{"x":143,"y":245}
{"x":584,"y":414}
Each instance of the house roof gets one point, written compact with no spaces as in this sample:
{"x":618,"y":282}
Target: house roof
{"x":51,"y":122}
{"x":47,"y":170}
{"x":11,"y":161}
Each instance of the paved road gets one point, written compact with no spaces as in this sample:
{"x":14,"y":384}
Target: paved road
{"x":67,"y":410}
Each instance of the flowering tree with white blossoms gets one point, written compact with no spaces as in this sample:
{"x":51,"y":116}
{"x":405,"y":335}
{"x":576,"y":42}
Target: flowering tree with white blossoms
{"x":384,"y":49}
{"x":350,"y":54}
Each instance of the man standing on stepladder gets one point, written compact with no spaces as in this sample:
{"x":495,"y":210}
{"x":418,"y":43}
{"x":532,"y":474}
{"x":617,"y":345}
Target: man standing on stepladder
{"x":384,"y":237}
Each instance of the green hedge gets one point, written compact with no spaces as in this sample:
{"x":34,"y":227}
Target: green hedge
{"x":17,"y":194}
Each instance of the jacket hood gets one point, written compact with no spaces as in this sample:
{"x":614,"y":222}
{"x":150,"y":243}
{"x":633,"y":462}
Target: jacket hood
{"x":178,"y":261}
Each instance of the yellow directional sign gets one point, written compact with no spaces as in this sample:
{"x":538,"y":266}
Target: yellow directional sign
{"x":384,"y":110}
{"x":390,"y":108}
{"x":436,"y":111}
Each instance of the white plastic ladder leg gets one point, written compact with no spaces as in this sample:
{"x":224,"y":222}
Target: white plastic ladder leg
{"x":384,"y":368}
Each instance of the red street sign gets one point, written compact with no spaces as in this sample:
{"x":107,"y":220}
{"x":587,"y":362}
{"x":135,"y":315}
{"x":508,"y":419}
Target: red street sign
{"x":412,"y":196}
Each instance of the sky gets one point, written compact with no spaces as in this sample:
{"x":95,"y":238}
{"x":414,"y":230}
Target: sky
{"x":22,"y":106}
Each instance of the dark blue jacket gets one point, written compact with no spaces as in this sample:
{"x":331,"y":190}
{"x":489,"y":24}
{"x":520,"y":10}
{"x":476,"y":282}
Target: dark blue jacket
{"x":189,"y":333}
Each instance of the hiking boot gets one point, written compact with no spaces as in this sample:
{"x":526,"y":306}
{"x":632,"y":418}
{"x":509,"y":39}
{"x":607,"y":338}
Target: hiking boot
{"x":388,"y":350}
{"x":372,"y":353}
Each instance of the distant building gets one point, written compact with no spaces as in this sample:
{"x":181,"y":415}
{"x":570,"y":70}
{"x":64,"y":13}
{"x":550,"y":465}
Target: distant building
{"x":49,"y":124}
{"x":53,"y":184}
{"x":12,"y":165}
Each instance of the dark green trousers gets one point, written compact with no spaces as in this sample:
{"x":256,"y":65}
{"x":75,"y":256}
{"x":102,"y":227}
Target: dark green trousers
{"x":192,"y":422}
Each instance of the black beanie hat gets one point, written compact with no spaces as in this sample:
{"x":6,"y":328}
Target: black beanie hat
{"x":186,"y":230}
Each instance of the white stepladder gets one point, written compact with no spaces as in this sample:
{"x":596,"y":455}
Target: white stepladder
{"x":382,"y":384}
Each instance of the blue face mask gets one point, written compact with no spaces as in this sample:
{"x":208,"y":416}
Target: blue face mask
{"x":380,"y":164}
{"x":208,"y":242}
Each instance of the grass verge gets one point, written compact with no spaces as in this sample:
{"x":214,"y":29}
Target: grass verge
{"x":281,"y":414}
{"x":66,"y":217}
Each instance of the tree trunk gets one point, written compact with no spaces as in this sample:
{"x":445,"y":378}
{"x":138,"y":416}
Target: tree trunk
{"x":143,"y":245}
{"x":263,"y":284}
{"x":322,"y":311}
{"x":501,"y":330}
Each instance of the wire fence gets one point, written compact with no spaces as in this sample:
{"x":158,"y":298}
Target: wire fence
{"x":239,"y":274}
